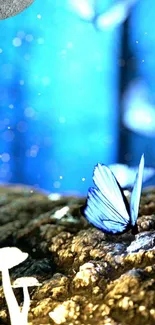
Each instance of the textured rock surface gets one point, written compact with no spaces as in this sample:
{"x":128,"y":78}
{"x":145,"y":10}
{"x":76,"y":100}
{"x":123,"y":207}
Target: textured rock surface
{"x":87,"y":276}
{"x":9,"y":8}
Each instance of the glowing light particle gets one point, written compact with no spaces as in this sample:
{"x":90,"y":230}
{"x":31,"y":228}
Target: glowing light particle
{"x":6,"y":121}
{"x":21,"y":34}
{"x":8,"y":136}
{"x":56,"y":184}
{"x":5,"y":171}
{"x":46,"y":81}
{"x":17,"y":42}
{"x":69,"y":45}
{"x":62,"y":119}
{"x":29,"y":38}
{"x":22,"y":126}
{"x":29,"y":112}
{"x":40,"y":40}
{"x":27,"y":57}
{"x":5,"y":157}
{"x":34,"y":151}
{"x":21,"y":82}
{"x":11,"y":106}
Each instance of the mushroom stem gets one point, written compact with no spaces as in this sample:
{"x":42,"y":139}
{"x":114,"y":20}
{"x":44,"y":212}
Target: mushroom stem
{"x":14,"y":311}
{"x":26,"y":305}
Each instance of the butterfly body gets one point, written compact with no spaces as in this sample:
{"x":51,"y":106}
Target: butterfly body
{"x":107,"y":207}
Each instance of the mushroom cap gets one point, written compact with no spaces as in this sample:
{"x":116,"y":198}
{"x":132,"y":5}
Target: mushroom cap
{"x":27,"y":281}
{"x":10,"y":257}
{"x":9,"y":8}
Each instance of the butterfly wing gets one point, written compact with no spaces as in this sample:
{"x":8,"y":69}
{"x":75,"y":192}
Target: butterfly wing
{"x":136,"y":192}
{"x":105,"y":205}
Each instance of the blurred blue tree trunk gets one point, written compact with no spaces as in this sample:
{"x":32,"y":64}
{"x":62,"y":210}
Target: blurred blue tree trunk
{"x":64,"y":112}
{"x":142,"y":46}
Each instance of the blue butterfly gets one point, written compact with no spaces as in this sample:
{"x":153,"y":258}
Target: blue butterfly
{"x":107,"y":207}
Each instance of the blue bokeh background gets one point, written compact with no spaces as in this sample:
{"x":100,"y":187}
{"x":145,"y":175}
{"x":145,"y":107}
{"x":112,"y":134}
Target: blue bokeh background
{"x":60,"y":108}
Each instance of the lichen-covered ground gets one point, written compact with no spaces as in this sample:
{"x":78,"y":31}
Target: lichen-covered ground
{"x":86,"y":276}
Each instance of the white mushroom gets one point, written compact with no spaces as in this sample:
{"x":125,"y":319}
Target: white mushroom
{"x":10,"y":257}
{"x":9,"y":8}
{"x":25,"y":282}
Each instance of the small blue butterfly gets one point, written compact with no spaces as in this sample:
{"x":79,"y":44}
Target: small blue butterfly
{"x":107,"y":207}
